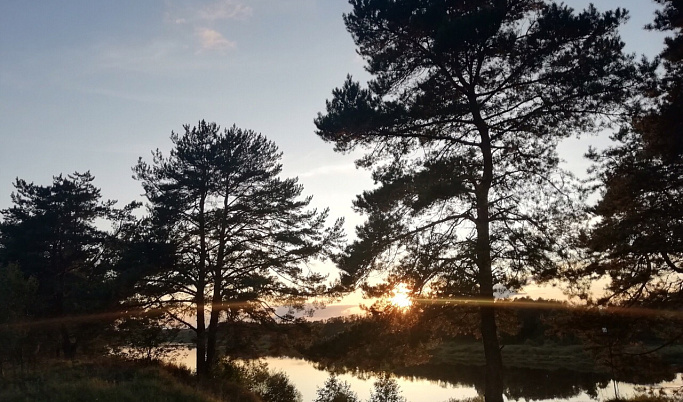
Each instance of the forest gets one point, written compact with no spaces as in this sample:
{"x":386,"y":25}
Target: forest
{"x":459,"y":127}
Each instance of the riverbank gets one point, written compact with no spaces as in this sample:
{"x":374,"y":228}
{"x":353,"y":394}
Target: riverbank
{"x":108,"y":379}
{"x":111,"y":379}
{"x":542,"y":357}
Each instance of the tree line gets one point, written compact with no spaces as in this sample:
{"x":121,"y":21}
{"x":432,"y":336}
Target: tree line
{"x":459,"y":126}
{"x":225,"y":239}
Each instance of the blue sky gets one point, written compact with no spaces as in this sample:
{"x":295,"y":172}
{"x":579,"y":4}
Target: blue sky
{"x":93,"y":85}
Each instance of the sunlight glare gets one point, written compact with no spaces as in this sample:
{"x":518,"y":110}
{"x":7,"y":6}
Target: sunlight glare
{"x":401,"y":296}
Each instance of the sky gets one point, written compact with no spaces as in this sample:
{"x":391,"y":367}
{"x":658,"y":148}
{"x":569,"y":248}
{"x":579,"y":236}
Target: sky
{"x":94,"y":85}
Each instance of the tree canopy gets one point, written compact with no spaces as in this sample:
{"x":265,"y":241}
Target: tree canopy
{"x":239,"y":236}
{"x":638,"y":239}
{"x":460,"y":125}
{"x":335,"y":390}
{"x":57,"y":235}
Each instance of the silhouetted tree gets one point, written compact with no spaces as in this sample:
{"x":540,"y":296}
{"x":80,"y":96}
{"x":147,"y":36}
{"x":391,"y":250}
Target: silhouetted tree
{"x":17,"y":294}
{"x":622,"y":341}
{"x":148,"y":335}
{"x":460,"y":123}
{"x":385,"y":338}
{"x":335,"y":390}
{"x":386,"y":389}
{"x":239,"y":235}
{"x":56,"y":235}
{"x":638,"y":240}
{"x":255,"y":376}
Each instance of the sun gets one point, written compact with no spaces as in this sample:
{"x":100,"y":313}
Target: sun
{"x":401,"y":296}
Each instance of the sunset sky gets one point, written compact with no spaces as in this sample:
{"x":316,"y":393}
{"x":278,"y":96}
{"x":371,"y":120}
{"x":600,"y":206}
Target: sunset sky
{"x":93,"y":85}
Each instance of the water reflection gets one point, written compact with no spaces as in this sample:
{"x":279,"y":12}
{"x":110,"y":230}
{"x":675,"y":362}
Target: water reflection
{"x":437,"y":383}
{"x":520,"y":383}
{"x":525,"y":383}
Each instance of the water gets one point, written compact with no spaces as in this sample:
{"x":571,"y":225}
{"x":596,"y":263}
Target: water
{"x":523,"y":385}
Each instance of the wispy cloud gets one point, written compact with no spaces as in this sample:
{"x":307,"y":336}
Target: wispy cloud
{"x":203,"y":19}
{"x":210,"y":39}
{"x":224,"y":10}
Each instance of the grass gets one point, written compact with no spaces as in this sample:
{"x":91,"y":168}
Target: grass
{"x":108,"y":379}
{"x":548,"y":357}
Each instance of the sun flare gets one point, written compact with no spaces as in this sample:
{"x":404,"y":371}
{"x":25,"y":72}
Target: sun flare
{"x":401,"y":297}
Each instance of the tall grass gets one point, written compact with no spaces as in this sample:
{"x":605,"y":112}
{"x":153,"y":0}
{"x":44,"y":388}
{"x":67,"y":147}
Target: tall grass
{"x":104,"y":380}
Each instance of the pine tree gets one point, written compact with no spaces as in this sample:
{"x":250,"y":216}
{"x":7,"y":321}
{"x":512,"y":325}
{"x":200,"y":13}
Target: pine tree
{"x":638,"y":240}
{"x":460,"y":123}
{"x":55,"y":235}
{"x":239,"y":235}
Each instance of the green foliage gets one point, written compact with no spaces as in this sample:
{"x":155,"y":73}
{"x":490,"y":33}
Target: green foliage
{"x":335,"y":391}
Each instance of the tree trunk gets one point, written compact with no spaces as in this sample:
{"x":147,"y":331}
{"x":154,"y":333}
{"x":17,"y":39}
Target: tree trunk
{"x":211,"y":347}
{"x":216,"y":301}
{"x":493,"y":389}
{"x":202,"y":368}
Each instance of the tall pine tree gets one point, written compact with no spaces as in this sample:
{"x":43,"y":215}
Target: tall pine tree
{"x":240,"y":236}
{"x":638,"y":240}
{"x":460,"y":123}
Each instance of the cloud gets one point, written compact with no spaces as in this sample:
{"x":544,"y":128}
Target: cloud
{"x":211,"y":39}
{"x":224,"y":10}
{"x":203,"y":18}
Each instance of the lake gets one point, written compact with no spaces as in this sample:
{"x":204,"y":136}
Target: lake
{"x":439,"y":383}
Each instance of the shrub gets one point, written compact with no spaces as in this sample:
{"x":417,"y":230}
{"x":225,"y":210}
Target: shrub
{"x":336,"y":391}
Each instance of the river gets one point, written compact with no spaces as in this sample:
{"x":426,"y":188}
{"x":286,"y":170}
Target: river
{"x":427,"y":385}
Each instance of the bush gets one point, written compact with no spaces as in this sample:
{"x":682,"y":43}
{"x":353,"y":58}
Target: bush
{"x":255,"y":376}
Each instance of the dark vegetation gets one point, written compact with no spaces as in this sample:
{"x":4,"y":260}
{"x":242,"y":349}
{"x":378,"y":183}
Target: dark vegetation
{"x":112,"y":379}
{"x":539,"y":334}
{"x":101,"y":380}
{"x":459,"y":124}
